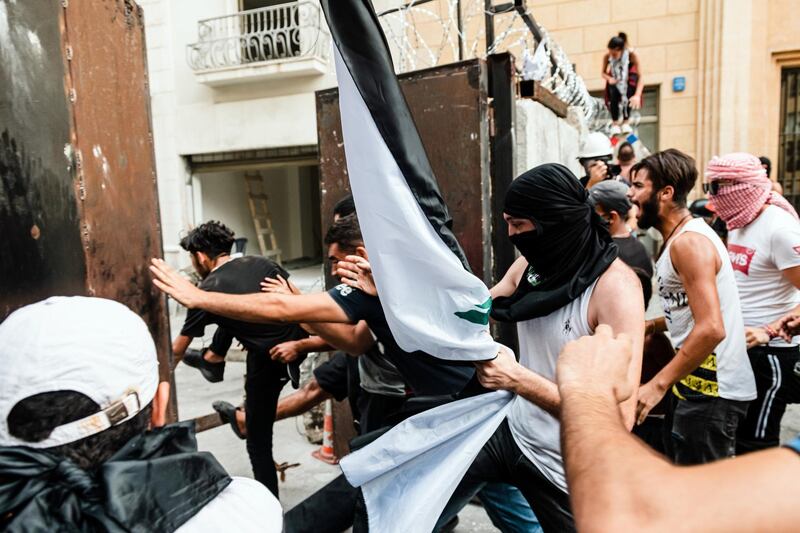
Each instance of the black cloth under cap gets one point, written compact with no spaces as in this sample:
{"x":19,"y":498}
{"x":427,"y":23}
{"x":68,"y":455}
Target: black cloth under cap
{"x":569,"y":249}
{"x":156,"y":482}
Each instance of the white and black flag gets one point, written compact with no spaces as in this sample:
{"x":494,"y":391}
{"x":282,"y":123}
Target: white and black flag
{"x":432,"y":302}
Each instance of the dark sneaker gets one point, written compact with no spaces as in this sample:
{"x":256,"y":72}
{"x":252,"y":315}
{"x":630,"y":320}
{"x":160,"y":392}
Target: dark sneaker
{"x":227,"y":412}
{"x":213,"y":372}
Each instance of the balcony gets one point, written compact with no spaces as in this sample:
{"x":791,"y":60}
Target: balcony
{"x":282,"y":41}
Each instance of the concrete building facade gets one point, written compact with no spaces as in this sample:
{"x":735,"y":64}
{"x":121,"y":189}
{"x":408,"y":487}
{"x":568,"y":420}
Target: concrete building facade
{"x":220,"y":113}
{"x":733,"y":56}
{"x":720,"y":76}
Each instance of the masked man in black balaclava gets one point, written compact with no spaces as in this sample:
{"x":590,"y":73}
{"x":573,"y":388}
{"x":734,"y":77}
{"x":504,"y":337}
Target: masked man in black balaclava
{"x":567,"y":282}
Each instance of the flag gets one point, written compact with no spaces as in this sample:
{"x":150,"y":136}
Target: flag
{"x":432,"y":302}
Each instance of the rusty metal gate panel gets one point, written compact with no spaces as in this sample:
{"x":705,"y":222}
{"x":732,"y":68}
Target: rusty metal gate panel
{"x":449,"y":105}
{"x":39,"y":228}
{"x":77,"y":155}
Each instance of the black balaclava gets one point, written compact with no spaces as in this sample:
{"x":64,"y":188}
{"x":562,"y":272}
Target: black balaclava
{"x":569,"y":249}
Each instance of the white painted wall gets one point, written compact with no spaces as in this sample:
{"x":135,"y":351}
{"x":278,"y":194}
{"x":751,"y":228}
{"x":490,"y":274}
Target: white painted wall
{"x":543,"y":137}
{"x":191,"y":118}
{"x":224,"y":198}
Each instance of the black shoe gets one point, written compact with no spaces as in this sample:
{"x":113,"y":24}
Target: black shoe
{"x":227,"y":412}
{"x":213,"y":372}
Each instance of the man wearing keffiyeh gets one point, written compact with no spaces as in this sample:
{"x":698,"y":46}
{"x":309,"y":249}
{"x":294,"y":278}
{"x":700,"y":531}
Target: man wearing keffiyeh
{"x":764,"y":247}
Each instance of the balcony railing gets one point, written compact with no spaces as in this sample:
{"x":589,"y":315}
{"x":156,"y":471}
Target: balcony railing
{"x":267,"y":35}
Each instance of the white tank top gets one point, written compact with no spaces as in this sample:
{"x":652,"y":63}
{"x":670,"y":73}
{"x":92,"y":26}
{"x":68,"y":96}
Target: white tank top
{"x":541,"y":339}
{"x":726,"y":372}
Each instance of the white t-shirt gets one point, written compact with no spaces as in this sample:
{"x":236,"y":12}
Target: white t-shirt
{"x":727,"y":372}
{"x":536,"y":431}
{"x":244,"y":506}
{"x":759,"y":252}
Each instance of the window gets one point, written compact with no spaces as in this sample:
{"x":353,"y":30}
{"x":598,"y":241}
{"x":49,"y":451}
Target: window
{"x":789,"y":136}
{"x":647,"y":130}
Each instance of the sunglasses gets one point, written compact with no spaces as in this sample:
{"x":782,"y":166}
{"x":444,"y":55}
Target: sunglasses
{"x":713,"y":187}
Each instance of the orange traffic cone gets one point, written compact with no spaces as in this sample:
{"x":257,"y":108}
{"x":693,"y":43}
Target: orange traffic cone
{"x":325,"y":452}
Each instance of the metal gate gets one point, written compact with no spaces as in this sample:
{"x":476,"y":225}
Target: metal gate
{"x":449,"y":105}
{"x":78,"y":200}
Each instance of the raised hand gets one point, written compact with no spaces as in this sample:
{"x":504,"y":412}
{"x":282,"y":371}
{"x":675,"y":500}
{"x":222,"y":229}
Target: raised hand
{"x":597,"y":364}
{"x":276,"y":285}
{"x":356,"y":271}
{"x":169,"y":281}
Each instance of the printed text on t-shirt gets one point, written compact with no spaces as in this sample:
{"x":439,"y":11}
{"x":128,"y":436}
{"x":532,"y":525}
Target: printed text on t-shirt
{"x":741,"y":257}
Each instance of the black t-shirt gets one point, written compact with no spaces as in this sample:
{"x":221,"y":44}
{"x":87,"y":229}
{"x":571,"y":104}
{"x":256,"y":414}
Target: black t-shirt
{"x":242,"y":276}
{"x":424,"y":374}
{"x":634,"y":254}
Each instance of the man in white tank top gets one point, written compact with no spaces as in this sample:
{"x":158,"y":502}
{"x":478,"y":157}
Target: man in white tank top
{"x":710,"y":376}
{"x":764,"y":248}
{"x":567,"y":282}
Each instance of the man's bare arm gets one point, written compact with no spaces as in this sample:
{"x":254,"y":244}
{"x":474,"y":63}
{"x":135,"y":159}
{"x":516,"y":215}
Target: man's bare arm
{"x":505,"y":373}
{"x":507,"y":285}
{"x":696,"y":262}
{"x":258,"y":307}
{"x":618,"y":484}
{"x":355,"y":339}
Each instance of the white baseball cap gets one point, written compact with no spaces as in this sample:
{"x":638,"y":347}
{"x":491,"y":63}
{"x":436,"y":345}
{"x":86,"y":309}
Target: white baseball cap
{"x":93,"y":346}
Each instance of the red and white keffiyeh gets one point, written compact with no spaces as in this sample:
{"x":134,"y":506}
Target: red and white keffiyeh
{"x":739,"y":203}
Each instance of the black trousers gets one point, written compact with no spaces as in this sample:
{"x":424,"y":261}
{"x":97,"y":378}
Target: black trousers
{"x":615,"y":102}
{"x":778,"y":385}
{"x":263,"y":383}
{"x":333,"y":507}
{"x":703,"y":430}
{"x":501,"y":460}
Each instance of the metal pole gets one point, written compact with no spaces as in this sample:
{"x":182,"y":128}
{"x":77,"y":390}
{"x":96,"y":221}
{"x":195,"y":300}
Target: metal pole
{"x":460,"y":24}
{"x":489,"y":19}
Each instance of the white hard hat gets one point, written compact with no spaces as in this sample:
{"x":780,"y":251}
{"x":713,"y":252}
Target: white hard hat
{"x":94,"y":346}
{"x":596,"y":145}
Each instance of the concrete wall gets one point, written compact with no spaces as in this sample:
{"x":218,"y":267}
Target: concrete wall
{"x":224,"y":198}
{"x":543,"y":137}
{"x":291,"y":202}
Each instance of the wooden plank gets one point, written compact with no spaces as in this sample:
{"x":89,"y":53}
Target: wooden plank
{"x":206,"y":422}
{"x":537,"y":93}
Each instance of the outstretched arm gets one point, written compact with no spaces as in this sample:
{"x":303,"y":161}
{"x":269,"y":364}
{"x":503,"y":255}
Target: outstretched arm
{"x":258,"y":307}
{"x":618,"y":484}
{"x":696,"y":262}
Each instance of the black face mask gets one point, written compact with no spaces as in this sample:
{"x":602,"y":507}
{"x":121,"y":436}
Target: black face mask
{"x":567,"y":251}
{"x":539,"y":251}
